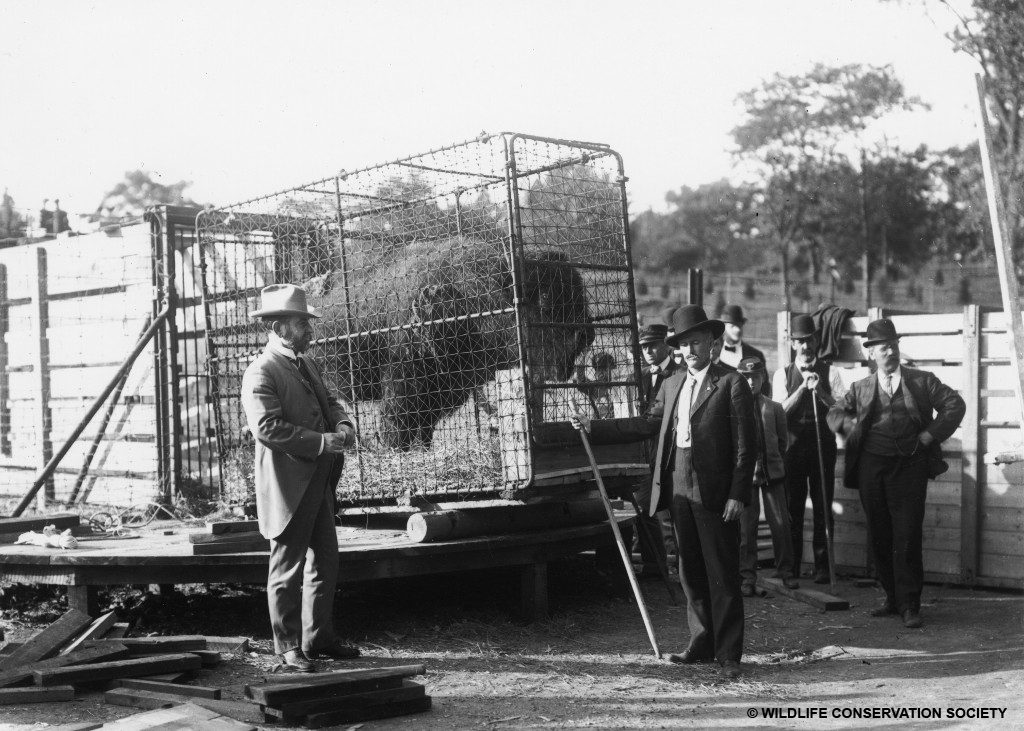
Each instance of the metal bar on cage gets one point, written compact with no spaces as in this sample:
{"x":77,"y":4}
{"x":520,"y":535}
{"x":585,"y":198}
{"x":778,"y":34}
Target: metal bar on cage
{"x":171,"y":343}
{"x":159,"y":354}
{"x":101,"y":430}
{"x":348,"y":320}
{"x":518,"y":276}
{"x":630,"y":288}
{"x":493,"y":178}
{"x":48,"y":470}
{"x":211,"y":363}
{"x":5,"y":378}
{"x":41,"y":368}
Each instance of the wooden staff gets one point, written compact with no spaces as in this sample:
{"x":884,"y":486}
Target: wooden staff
{"x":626,"y":560}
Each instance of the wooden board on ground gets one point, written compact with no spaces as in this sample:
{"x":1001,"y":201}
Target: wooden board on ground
{"x":48,"y":641}
{"x":156,"y":686}
{"x":143,"y":699}
{"x":131,"y":668}
{"x":369,"y":713}
{"x":233,"y":645}
{"x":111,"y":651}
{"x":819,"y":599}
{"x":157,"y":644}
{"x":298,"y":710}
{"x":17,"y":526}
{"x":99,"y":628}
{"x":254,"y":545}
{"x":221,"y":527}
{"x":116,"y":631}
{"x":238,"y":710}
{"x":344,"y":681}
{"x":17,"y":696}
{"x":238,"y":537}
{"x":210,"y":658}
{"x":184,"y":716}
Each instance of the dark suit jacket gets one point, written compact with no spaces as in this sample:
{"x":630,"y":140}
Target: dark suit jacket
{"x":924,"y":393}
{"x":651,"y":391}
{"x":724,"y":437}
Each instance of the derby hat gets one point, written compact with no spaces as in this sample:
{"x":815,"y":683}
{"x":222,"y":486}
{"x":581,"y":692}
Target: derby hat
{"x":284,"y":299}
{"x":653,"y":333}
{"x":880,"y":331}
{"x":733,"y":314}
{"x":802,"y":327}
{"x":750,"y":366}
{"x":688,"y":318}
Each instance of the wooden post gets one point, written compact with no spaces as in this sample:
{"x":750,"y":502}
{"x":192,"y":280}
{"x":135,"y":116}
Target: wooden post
{"x":533,"y":597}
{"x":41,"y":368}
{"x":1004,"y":251}
{"x":970,"y":448}
{"x":5,"y":377}
{"x":785,"y":352}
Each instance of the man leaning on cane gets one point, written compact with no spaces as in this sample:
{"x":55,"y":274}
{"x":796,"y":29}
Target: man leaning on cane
{"x":703,"y":472}
{"x":894,"y":423}
{"x":301,"y":431}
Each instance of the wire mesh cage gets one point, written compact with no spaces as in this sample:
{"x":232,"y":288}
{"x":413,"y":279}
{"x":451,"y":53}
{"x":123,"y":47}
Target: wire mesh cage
{"x":472,"y":297}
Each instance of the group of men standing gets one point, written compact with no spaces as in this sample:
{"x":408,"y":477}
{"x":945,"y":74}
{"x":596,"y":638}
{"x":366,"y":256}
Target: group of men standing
{"x":719,"y":444}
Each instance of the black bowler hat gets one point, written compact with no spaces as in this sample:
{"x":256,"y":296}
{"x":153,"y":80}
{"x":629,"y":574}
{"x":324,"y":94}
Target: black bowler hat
{"x":733,"y":314}
{"x":750,"y":366}
{"x":802,"y":327}
{"x":688,"y":318}
{"x":653,"y":333}
{"x":879,"y":331}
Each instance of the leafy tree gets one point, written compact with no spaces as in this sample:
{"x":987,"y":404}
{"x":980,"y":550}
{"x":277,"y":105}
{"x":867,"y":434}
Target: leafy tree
{"x":793,"y":124}
{"x":12,"y":223}
{"x":138,"y":191}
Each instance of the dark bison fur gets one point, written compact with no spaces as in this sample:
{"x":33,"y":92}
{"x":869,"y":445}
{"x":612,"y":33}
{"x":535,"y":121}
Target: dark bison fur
{"x":415,"y":346}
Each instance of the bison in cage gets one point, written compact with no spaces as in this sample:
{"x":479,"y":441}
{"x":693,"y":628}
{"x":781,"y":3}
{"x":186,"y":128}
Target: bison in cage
{"x":465,"y":293}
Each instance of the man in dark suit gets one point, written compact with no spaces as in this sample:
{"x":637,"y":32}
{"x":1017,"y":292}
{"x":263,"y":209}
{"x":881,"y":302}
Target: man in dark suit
{"x":894,"y":422}
{"x":704,"y":468}
{"x":734,"y":349}
{"x":301,"y":432}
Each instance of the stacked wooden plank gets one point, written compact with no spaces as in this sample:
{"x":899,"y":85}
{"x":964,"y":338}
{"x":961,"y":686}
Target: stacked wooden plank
{"x":347,"y":696}
{"x":235,"y":536}
{"x":11,"y":528}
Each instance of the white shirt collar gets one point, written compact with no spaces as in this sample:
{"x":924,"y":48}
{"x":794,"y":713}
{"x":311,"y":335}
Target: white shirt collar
{"x":275,"y":344}
{"x":895,"y":378}
{"x":698,"y":377}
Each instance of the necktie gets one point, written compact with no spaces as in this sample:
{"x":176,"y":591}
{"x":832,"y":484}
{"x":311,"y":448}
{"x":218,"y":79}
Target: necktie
{"x":887,"y":383}
{"x":655,"y":370}
{"x":730,"y":348}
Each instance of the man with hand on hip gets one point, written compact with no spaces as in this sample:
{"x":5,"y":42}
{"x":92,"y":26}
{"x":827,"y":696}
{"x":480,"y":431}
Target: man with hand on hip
{"x":894,"y":423}
{"x":704,"y":467}
{"x":301,"y":431}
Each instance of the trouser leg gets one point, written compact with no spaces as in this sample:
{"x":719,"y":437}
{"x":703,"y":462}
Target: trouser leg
{"x":652,"y":542}
{"x":321,"y":579}
{"x":776,"y":512}
{"x":749,"y":520}
{"x":286,"y":566}
{"x":693,"y":578}
{"x":872,"y":474}
{"x":720,"y":541}
{"x":821,"y":505}
{"x":905,"y":494}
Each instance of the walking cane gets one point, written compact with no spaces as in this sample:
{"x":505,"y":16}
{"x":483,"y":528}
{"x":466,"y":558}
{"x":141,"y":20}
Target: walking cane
{"x":826,"y":506}
{"x":656,"y":549}
{"x":626,"y":560}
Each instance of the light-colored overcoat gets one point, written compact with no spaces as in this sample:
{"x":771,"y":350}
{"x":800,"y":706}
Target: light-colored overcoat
{"x":286,"y":416}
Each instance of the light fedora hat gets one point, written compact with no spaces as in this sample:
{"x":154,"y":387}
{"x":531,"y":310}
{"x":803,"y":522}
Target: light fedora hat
{"x":284,"y":299}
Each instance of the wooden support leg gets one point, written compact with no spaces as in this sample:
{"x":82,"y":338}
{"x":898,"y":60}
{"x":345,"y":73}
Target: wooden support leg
{"x":534,"y":591}
{"x":84,"y":598}
{"x":166,"y":589}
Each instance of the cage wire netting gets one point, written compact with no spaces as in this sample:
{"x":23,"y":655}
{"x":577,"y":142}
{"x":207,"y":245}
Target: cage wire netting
{"x":71,"y":310}
{"x":470,"y":296}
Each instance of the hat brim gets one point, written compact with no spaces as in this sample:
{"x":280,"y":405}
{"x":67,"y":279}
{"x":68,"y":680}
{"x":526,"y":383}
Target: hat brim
{"x":868,"y":343}
{"x":310,"y":312}
{"x":805,"y":336}
{"x":717,"y":327}
{"x":644,"y":341}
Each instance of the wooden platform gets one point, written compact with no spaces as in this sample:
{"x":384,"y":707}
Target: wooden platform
{"x":366,"y":554}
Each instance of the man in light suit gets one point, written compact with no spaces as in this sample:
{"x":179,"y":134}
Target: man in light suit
{"x":894,"y":423}
{"x":301,"y":431}
{"x":703,"y":473}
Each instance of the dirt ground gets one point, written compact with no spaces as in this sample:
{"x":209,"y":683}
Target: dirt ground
{"x":590,"y":665}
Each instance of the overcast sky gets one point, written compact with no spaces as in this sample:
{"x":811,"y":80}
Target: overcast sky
{"x":247,"y":98}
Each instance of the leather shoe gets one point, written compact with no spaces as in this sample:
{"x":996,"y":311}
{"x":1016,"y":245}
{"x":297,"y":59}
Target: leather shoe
{"x":912,"y":619}
{"x":297,"y":660}
{"x":790,"y":582}
{"x":747,"y":590}
{"x":335,"y":651}
{"x":731,"y":669}
{"x":686,"y":657}
{"x":885,"y":610}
